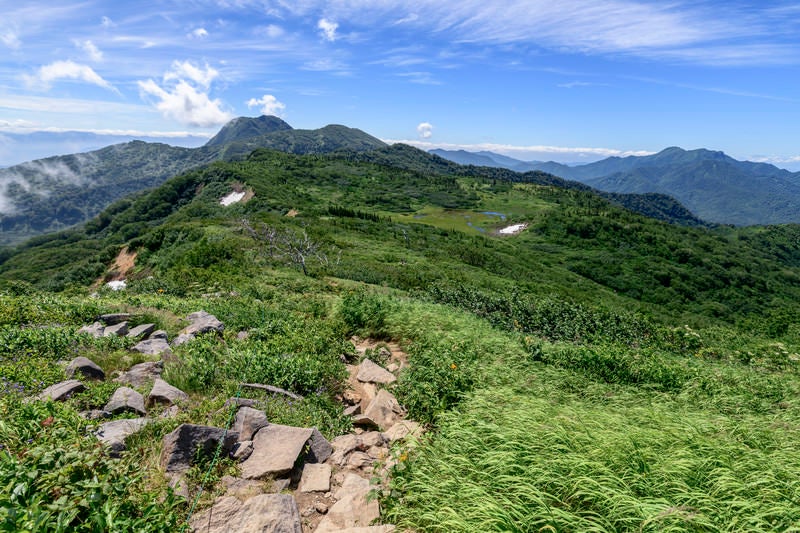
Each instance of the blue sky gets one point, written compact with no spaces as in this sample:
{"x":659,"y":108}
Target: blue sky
{"x":571,"y":81}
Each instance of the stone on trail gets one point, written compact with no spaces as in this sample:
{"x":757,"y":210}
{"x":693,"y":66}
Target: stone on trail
{"x":141,"y":374}
{"x":142,"y":330}
{"x":268,"y":513}
{"x":202,"y":322}
{"x":125,"y":399}
{"x":402,"y":429}
{"x":315,"y":478}
{"x":164,"y":393}
{"x":85,"y":366}
{"x":352,"y":508}
{"x":319,"y":449}
{"x":111,"y":319}
{"x":120,"y":330}
{"x":152,"y":346}
{"x":114,"y":433}
{"x":275,"y":450}
{"x":95,"y":330}
{"x":248,"y":421}
{"x":384,"y":410}
{"x":61,"y":391}
{"x":179,"y":447}
{"x":370,"y":372}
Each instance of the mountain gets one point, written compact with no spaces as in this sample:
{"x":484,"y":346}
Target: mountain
{"x":711,"y":184}
{"x":50,"y":194}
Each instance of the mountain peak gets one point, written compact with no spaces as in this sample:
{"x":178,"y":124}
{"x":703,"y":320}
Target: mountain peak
{"x":242,"y":128}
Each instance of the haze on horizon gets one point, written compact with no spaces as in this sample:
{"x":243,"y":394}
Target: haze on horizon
{"x":572,"y":82}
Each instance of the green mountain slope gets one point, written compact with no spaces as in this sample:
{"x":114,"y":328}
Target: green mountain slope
{"x":51,"y":194}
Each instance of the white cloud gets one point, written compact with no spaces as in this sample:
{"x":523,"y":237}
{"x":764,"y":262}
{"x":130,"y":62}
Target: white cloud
{"x":183,"y":95}
{"x":68,"y":70}
{"x":198,"y":33}
{"x":328,"y":29}
{"x":425,"y":130}
{"x":272,"y":31}
{"x":107,"y":22}
{"x":90,"y":48}
{"x":10,"y":39}
{"x":269,"y":105}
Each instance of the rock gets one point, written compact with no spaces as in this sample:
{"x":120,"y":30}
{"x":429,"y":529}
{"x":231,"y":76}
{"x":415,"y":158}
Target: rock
{"x":179,"y":447}
{"x":316,"y":478}
{"x":392,"y":367}
{"x":240,"y":402}
{"x":242,"y":450}
{"x":152,"y":346}
{"x":279,"y":485}
{"x":202,"y":322}
{"x":352,"y":508}
{"x":342,"y":446}
{"x":378,"y":452}
{"x":85,"y":366}
{"x":114,"y":433}
{"x":368,"y":439}
{"x":141,"y":374}
{"x":359,"y":460}
{"x":179,"y":485}
{"x":383,"y":410}
{"x":402,"y":429}
{"x":95,"y":330}
{"x":320,"y":507}
{"x":183,"y":338}
{"x":61,"y":391}
{"x":319,"y":449}
{"x":111,"y":319}
{"x":248,"y":421}
{"x":270,"y":513}
{"x":164,"y":393}
{"x":142,"y":330}
{"x":170,"y":412}
{"x":352,"y":410}
{"x":275,"y":450}
{"x":158,"y":334}
{"x":242,"y":488}
{"x":367,"y":529}
{"x":126,"y":399}
{"x":370,"y":372}
{"x":95,"y":414}
{"x":120,"y":330}
{"x":365,"y":421}
{"x":243,"y":335}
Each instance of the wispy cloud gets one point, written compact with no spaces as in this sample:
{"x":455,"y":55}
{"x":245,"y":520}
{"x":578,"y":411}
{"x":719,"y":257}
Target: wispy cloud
{"x":718,"y":90}
{"x":90,"y":49}
{"x":10,"y":39}
{"x":563,"y":153}
{"x":183,"y":95}
{"x":66,"y":70}
{"x":198,"y":33}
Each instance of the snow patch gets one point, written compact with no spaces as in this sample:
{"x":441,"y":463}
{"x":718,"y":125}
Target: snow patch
{"x":232,"y":198}
{"x":513,"y":229}
{"x":117,"y":285}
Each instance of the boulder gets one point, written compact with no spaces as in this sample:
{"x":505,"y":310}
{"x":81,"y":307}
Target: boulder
{"x":86,"y":367}
{"x":141,"y":331}
{"x":111,"y":319}
{"x":114,"y":433}
{"x":120,"y":330}
{"x":275,"y":450}
{"x":202,"y":322}
{"x":141,"y":374}
{"x":248,"y":421}
{"x":241,"y":488}
{"x":158,"y":334}
{"x":242,"y":450}
{"x":384,"y":410}
{"x":125,"y":399}
{"x":164,"y":393}
{"x":315,"y":478}
{"x":353,"y":508}
{"x":61,"y":391}
{"x":319,"y":449}
{"x":370,"y":372}
{"x":179,"y":447}
{"x":183,"y":338}
{"x":269,"y":513}
{"x":95,"y":330}
{"x":152,"y":346}
{"x":402,"y":429}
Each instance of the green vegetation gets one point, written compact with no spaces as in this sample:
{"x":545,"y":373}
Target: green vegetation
{"x":599,"y":371}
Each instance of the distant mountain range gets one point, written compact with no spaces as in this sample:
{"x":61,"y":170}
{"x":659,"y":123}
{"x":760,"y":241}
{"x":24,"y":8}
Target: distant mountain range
{"x":50,"y":194}
{"x":714,"y":186}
